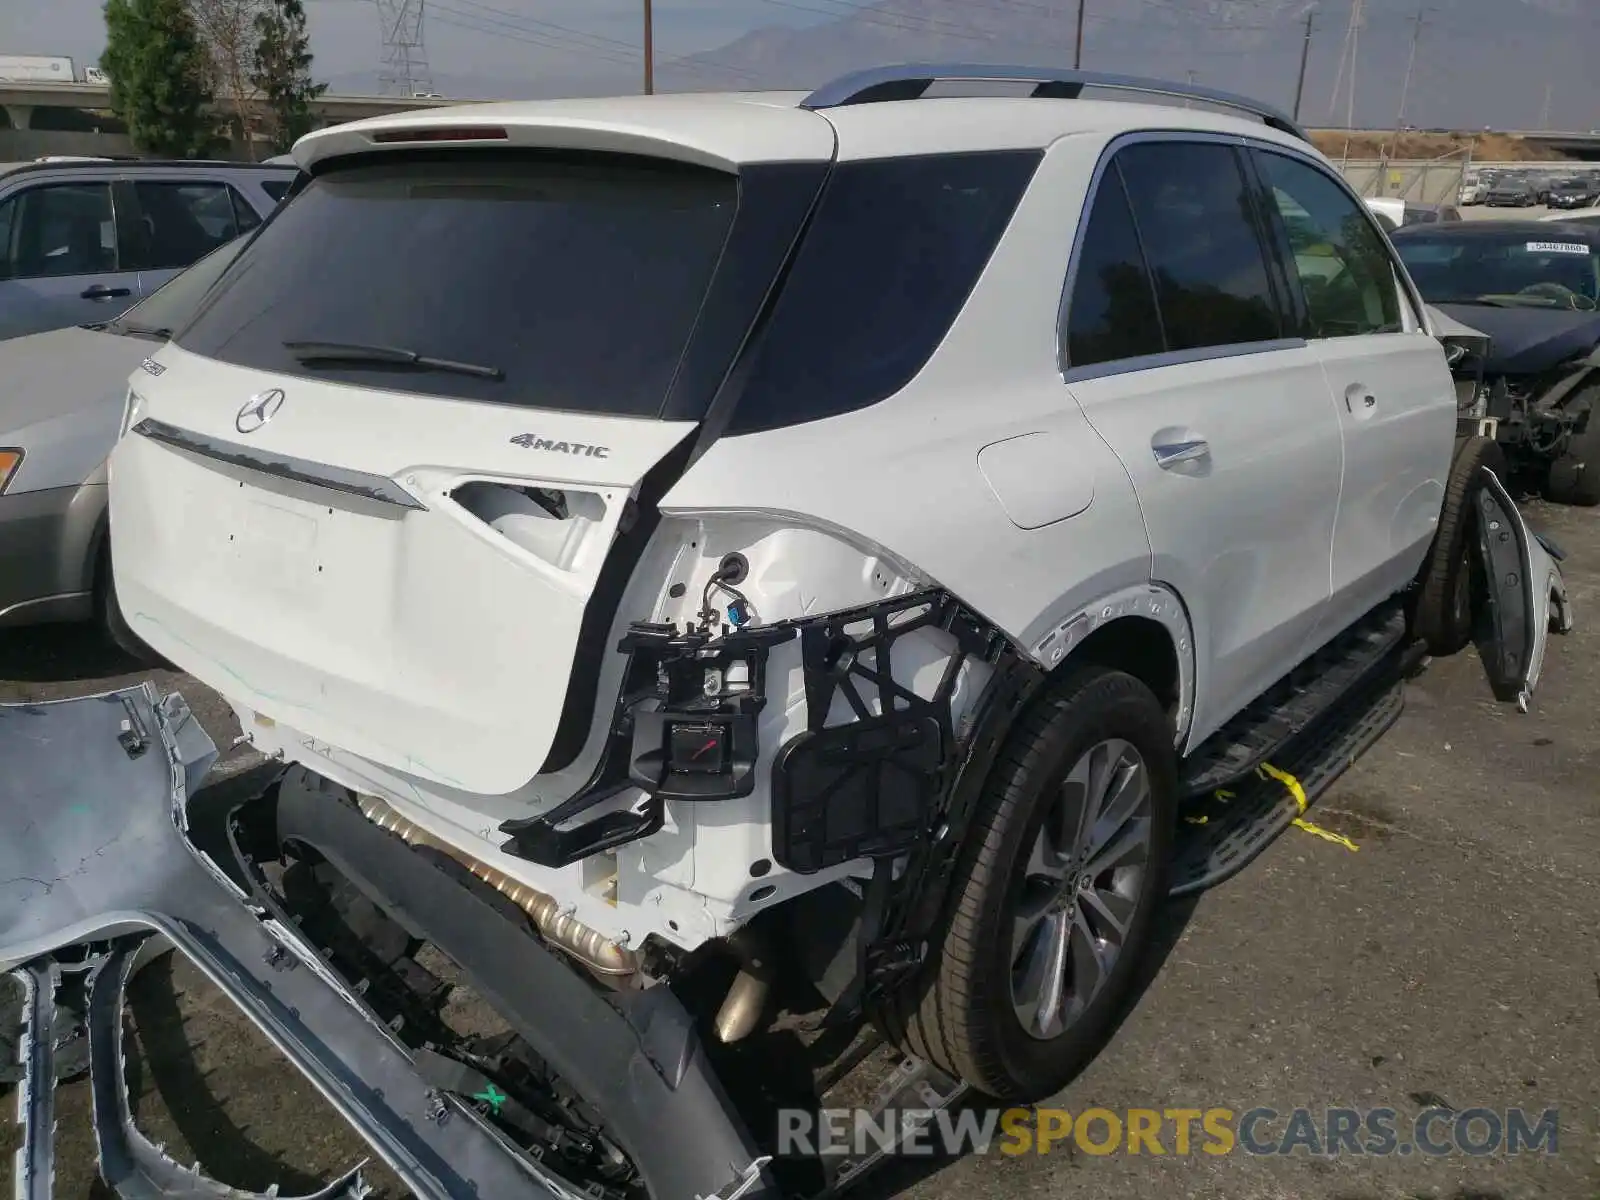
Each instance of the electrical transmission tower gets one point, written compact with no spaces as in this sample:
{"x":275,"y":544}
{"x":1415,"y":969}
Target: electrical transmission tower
{"x":405,"y":53}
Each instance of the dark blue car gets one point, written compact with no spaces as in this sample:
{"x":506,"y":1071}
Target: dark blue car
{"x":1534,"y":288}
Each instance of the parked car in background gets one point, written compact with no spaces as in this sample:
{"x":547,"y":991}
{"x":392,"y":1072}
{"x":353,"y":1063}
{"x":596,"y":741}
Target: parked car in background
{"x":1577,"y":191}
{"x":62,"y":399}
{"x":1534,"y":288}
{"x":1473,"y":191}
{"x":1394,"y":213}
{"x":82,"y":241}
{"x":1511,"y":193}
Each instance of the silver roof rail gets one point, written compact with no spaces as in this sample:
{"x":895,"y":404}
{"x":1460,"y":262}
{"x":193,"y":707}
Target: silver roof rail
{"x":910,"y":81}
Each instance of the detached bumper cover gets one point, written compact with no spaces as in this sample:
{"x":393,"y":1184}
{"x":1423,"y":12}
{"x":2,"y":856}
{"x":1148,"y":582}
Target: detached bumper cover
{"x":96,"y":853}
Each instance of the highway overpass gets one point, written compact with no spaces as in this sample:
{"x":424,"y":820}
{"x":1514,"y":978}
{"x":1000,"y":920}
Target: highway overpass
{"x":20,"y":100}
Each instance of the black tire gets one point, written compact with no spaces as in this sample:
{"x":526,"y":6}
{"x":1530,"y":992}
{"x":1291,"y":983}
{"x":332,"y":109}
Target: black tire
{"x":113,"y":624}
{"x":1575,"y":476}
{"x":961,"y":1014}
{"x":1443,"y":615}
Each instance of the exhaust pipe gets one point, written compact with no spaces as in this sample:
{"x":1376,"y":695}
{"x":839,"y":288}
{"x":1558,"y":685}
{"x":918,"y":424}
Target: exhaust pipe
{"x":747,"y":996}
{"x":598,"y":953}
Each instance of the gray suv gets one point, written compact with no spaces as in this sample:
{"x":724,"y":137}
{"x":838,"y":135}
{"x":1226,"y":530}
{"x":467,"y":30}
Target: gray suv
{"x":82,"y":241}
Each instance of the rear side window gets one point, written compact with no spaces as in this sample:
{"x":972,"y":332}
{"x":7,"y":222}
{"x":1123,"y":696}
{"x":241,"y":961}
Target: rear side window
{"x":244,"y":217}
{"x":1344,"y":270}
{"x":893,"y":251}
{"x":576,"y":278}
{"x":61,"y":229}
{"x":276,"y":188}
{"x":180,"y":223}
{"x":1201,"y":238}
{"x":1112,"y":313}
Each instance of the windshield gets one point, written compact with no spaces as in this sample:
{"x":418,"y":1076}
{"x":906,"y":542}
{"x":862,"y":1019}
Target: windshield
{"x":1550,"y":272}
{"x":170,"y":306}
{"x":566,"y":281}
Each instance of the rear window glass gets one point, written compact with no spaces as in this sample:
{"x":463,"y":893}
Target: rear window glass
{"x":1112,"y":314}
{"x":1196,"y":221}
{"x":276,"y":188}
{"x":576,"y":278}
{"x":893,"y":251}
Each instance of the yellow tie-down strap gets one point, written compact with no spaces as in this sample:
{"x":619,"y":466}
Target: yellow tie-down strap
{"x":1268,"y":771}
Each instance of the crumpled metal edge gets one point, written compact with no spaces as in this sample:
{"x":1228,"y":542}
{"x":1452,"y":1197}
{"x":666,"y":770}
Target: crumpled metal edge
{"x":211,"y":922}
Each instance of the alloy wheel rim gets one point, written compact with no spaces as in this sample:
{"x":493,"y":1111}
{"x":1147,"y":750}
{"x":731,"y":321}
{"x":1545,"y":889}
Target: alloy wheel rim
{"x":1080,"y":888}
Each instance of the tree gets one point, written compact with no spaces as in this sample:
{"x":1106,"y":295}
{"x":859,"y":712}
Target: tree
{"x":228,"y":31}
{"x":157,"y":68}
{"x":282,"y":72}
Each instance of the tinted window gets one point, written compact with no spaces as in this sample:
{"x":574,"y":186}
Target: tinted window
{"x":180,"y":223}
{"x":1199,"y":230}
{"x":245,"y":218}
{"x":276,"y":188}
{"x":578,"y":277}
{"x":1558,"y":270}
{"x":893,"y":251}
{"x":171,"y":305}
{"x":7,"y":224}
{"x":1345,"y":272}
{"x":1112,"y":311}
{"x":62,"y":229}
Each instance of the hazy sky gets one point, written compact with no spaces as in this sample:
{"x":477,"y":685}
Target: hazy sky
{"x":465,"y":38}
{"x":1482,"y":61}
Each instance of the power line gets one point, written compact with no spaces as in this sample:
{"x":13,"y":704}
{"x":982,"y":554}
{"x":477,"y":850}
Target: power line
{"x":404,"y":48}
{"x":1305,"y":59}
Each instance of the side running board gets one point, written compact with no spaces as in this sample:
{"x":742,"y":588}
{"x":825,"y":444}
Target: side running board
{"x":1295,"y":703}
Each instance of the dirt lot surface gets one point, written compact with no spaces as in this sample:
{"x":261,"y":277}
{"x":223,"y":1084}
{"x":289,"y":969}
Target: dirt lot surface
{"x":1453,"y":958}
{"x":1486,"y":147}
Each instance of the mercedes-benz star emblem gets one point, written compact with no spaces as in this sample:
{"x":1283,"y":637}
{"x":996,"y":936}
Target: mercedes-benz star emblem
{"x":258,"y":410}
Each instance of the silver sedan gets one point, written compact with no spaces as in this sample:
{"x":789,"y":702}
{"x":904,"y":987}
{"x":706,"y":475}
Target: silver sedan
{"x":63,"y":395}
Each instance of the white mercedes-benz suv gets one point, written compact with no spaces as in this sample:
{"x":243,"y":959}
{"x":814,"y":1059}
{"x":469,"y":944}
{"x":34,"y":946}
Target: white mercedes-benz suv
{"x":799,"y":554}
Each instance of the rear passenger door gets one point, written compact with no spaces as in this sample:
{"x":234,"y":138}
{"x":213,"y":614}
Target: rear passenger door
{"x":1176,"y":345}
{"x":60,"y":262}
{"x":173,"y":223}
{"x":1392,"y":392}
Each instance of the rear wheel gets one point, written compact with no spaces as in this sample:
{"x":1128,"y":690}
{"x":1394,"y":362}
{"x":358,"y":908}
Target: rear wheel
{"x":1443,"y":617}
{"x":1061,"y":874}
{"x":1575,"y":476}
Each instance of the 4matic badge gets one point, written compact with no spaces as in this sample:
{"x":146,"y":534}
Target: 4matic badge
{"x":529,"y":441}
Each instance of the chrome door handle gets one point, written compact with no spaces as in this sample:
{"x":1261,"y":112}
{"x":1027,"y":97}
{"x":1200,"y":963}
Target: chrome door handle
{"x":1169,"y":454}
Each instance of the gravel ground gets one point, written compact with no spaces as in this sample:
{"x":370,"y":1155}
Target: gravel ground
{"x":1454,"y":957}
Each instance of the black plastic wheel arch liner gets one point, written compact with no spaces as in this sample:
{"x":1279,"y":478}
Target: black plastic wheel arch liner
{"x":95,"y":856}
{"x":636,"y":1058}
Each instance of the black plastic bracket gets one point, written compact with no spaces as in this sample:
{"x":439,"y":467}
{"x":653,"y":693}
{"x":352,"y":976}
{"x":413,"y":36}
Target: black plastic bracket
{"x":873,"y":786}
{"x":682,"y":691}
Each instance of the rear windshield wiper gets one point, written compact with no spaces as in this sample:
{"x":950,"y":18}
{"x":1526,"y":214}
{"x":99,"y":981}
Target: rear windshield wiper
{"x":309,"y":352}
{"x":138,"y":330}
